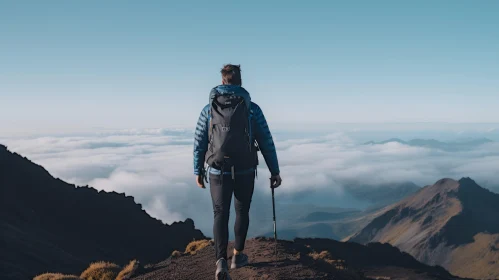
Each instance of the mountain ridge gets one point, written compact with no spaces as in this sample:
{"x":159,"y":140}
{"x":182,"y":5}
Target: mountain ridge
{"x":439,"y":221}
{"x":48,"y":224}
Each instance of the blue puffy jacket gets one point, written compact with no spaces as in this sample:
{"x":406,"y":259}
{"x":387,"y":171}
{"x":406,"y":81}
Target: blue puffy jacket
{"x":260,"y":132}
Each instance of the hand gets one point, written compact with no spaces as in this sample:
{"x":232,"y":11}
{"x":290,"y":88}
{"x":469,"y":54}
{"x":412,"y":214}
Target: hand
{"x":200,"y":181}
{"x":275,"y":181}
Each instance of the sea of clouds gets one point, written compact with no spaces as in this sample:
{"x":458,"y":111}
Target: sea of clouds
{"x":155,"y":166}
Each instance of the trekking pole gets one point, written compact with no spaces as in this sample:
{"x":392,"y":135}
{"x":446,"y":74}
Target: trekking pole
{"x":273,"y":211}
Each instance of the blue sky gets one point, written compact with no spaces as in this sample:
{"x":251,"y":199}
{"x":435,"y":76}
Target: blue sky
{"x":78,"y":65}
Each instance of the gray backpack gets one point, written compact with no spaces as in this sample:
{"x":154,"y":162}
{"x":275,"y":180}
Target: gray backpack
{"x":230,"y":147}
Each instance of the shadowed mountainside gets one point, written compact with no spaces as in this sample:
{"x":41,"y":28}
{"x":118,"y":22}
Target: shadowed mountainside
{"x":301,"y":259}
{"x":451,"y":223}
{"x":50,"y":225}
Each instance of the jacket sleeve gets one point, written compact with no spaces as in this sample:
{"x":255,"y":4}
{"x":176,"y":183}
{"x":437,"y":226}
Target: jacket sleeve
{"x":265,"y":141}
{"x":201,"y":141}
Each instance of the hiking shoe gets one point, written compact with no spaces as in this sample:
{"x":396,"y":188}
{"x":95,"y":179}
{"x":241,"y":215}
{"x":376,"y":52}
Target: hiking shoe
{"x":239,"y":260}
{"x":222,"y":270}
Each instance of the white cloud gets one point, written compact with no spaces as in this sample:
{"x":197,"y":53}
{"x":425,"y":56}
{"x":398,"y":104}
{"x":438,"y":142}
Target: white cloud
{"x":155,"y":167}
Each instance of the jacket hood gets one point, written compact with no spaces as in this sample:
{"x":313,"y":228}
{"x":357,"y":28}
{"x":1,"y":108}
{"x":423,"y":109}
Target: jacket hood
{"x":231,"y":89}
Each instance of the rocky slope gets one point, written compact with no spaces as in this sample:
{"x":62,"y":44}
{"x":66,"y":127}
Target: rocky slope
{"x":49,"y":225}
{"x":454,"y":224}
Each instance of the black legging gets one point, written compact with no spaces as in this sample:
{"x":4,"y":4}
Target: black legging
{"x":221,"y":195}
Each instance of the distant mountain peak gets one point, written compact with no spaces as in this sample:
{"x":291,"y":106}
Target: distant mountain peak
{"x":468,"y":182}
{"x":445,"y":183}
{"x":386,"y":141}
{"x":440,"y":220}
{"x":395,"y":140}
{"x":465,"y":144}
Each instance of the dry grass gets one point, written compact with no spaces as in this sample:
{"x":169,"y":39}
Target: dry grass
{"x":56,"y":276}
{"x":197,"y":245}
{"x":128,"y":270}
{"x":176,"y":254}
{"x":322,"y":256}
{"x":97,"y":271}
{"x":101,"y":271}
{"x":325,"y":256}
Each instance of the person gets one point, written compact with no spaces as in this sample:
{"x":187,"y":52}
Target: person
{"x":229,"y":131}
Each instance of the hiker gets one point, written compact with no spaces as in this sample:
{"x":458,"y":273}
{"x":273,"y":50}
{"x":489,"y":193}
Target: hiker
{"x":230,"y":131}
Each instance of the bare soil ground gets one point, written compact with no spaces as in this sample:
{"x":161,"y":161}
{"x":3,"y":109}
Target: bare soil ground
{"x":294,"y":261}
